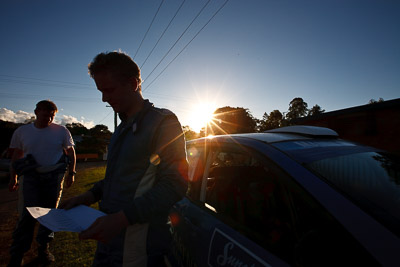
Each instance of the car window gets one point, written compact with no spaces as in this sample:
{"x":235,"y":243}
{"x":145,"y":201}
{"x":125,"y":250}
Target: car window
{"x":252,"y":195}
{"x":370,"y":179}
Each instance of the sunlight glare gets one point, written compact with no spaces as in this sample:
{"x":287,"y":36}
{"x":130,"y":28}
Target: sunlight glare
{"x":201,"y":114}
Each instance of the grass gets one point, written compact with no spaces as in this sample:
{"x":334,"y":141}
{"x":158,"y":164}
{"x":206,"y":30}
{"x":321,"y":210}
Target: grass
{"x":66,"y":247}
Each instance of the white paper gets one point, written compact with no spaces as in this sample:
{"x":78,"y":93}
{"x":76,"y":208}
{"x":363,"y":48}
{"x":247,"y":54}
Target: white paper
{"x":76,"y":219}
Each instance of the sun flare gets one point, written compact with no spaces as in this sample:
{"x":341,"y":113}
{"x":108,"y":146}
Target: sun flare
{"x":201,"y":114}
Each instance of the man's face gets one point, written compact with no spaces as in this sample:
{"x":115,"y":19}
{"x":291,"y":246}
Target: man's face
{"x":44,"y":116}
{"x":116,"y":93}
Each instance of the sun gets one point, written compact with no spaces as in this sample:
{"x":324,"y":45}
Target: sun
{"x":201,"y":115}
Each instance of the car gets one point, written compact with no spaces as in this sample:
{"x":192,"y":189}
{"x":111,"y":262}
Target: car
{"x":292,"y":196}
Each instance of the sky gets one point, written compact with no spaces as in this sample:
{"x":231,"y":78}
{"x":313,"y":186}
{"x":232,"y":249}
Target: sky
{"x":199,"y":54}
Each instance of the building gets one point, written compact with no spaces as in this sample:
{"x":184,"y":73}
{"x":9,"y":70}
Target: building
{"x":376,"y":124}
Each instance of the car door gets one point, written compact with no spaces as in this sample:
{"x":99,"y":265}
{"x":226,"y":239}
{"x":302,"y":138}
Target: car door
{"x":208,"y":224}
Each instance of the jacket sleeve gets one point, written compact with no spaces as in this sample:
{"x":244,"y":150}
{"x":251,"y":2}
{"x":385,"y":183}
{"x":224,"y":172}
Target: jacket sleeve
{"x":171,"y":175}
{"x":97,"y":190}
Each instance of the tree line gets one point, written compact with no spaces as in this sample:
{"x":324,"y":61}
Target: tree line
{"x":231,"y":120}
{"x":227,"y":120}
{"x":93,"y":140}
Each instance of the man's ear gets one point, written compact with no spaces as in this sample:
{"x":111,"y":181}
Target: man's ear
{"x":134,"y":83}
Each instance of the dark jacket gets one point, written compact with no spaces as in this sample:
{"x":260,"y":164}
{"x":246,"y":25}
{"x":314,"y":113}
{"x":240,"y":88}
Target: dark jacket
{"x":146,"y":174}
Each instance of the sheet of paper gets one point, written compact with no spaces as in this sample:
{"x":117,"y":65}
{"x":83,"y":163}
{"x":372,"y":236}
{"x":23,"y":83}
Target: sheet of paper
{"x":76,"y":219}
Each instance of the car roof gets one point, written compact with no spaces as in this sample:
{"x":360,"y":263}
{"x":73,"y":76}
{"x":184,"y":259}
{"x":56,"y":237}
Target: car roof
{"x":289,"y":133}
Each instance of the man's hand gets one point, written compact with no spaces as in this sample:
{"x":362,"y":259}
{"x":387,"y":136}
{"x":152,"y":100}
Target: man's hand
{"x":106,"y":227}
{"x":82,"y":199}
{"x":69,"y":180}
{"x":13,"y":184}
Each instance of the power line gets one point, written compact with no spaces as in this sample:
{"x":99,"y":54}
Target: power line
{"x":44,"y":80}
{"x":105,"y":117}
{"x":176,"y":13}
{"x":186,"y":45}
{"x":198,"y":14}
{"x":69,"y":86}
{"x":148,"y":29}
{"x":60,"y":98}
{"x":80,"y":99}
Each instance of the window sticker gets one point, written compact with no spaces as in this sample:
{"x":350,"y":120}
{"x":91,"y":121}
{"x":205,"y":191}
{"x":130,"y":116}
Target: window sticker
{"x":225,"y":251}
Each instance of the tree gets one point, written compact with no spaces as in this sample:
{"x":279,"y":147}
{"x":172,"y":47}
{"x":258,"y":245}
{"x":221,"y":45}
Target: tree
{"x":30,"y":120}
{"x":77,"y":128}
{"x":229,"y":120}
{"x":93,"y":140}
{"x":100,"y":131}
{"x":7,"y":129}
{"x":315,"y":110}
{"x":297,"y":109}
{"x":271,"y":121}
{"x":373,"y":101}
{"x":189,"y":133}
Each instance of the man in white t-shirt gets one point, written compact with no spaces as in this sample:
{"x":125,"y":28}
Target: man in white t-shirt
{"x":42,"y":152}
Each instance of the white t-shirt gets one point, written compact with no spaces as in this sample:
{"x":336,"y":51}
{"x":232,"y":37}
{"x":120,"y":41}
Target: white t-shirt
{"x":46,"y":144}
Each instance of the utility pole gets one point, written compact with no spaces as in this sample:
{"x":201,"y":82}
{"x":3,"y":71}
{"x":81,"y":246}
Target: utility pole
{"x":115,"y":119}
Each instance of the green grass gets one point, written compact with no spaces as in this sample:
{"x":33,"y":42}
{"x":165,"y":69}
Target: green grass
{"x":66,"y":247}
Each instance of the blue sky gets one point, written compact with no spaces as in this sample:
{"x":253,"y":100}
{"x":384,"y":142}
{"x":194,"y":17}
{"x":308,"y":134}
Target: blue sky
{"x":256,"y":54}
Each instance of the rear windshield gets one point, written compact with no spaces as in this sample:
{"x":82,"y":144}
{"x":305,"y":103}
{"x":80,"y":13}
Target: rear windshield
{"x":370,"y":179}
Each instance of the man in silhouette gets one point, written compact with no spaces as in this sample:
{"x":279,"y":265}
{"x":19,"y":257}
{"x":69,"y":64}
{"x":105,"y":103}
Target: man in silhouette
{"x":146,"y":171}
{"x":42,"y":152}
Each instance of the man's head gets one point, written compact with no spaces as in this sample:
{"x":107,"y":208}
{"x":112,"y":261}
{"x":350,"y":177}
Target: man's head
{"x":118,"y":63}
{"x":45,"y":112}
{"x":47,"y":105}
{"x":117,"y":77}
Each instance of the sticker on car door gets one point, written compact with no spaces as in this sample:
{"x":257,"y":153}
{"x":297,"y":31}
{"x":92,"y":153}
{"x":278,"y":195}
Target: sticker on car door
{"x":225,"y":251}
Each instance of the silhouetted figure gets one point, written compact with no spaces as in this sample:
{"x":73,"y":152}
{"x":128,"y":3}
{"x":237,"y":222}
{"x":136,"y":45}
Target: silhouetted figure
{"x":146,"y":171}
{"x":42,"y":152}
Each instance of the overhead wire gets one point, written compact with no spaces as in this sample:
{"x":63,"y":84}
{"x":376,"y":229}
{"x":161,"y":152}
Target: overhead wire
{"x":198,"y":14}
{"x":185,"y":46}
{"x":62,"y":84}
{"x":176,"y":13}
{"x":45,"y":80}
{"x":46,"y":84}
{"x":60,"y":98}
{"x":105,"y":117}
{"x":148,"y":29}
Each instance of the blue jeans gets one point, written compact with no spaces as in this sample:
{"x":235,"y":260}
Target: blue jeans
{"x":38,"y":190}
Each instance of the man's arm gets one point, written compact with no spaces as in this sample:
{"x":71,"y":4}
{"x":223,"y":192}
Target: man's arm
{"x":86,"y":198}
{"x":71,"y":168}
{"x":170,"y":187}
{"x":13,"y":184}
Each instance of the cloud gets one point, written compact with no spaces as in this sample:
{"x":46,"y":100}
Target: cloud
{"x":65,"y":119}
{"x":21,"y":116}
{"x":16,"y":117}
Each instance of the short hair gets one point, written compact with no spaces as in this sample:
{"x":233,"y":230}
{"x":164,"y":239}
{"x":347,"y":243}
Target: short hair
{"x":47,"y":105}
{"x":117,"y":62}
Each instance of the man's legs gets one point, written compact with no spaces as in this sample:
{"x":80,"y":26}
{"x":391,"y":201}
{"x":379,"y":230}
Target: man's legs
{"x":50,"y":194}
{"x":23,"y":233}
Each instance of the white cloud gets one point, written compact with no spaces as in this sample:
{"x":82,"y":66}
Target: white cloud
{"x":21,"y":116}
{"x":17,"y":117}
{"x":65,"y":119}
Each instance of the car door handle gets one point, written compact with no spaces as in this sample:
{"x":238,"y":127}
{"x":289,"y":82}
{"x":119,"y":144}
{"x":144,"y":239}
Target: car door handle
{"x":193,"y":221}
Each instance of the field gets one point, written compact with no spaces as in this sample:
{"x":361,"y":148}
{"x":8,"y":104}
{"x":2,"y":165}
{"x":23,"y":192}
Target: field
{"x":66,"y":247}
